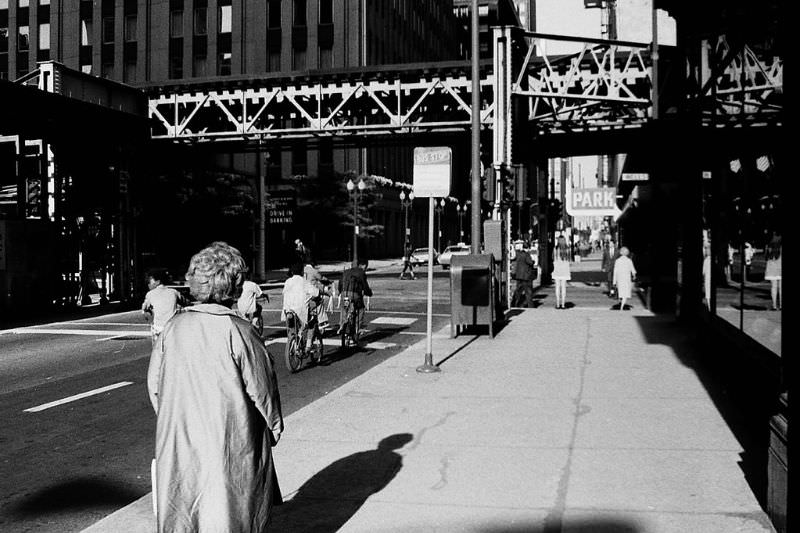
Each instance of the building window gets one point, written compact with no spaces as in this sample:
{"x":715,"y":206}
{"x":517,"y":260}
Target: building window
{"x":86,"y":32}
{"x":108,"y":30}
{"x":176,"y":66}
{"x":3,"y":39}
{"x":130,"y":28}
{"x":44,"y":2}
{"x":22,"y":63}
{"x":23,"y":3}
{"x":299,"y":12}
{"x":3,"y":66}
{"x":299,"y":161}
{"x":224,"y":64}
{"x":44,"y":36}
{"x":107,"y":70}
{"x":23,"y":41}
{"x":86,"y":69}
{"x":176,"y":23}
{"x":274,"y":14}
{"x":129,"y":71}
{"x":326,"y":58}
{"x":326,"y":11}
{"x":3,"y":4}
{"x":200,"y":21}
{"x":200,"y":66}
{"x":225,"y":18}
{"x":274,"y":62}
{"x":298,"y":59}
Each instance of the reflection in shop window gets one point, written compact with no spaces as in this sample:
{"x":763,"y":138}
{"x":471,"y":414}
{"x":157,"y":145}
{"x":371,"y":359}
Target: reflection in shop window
{"x":745,"y":248}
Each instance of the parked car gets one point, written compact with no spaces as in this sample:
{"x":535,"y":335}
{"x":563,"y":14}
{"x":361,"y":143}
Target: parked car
{"x":450,"y":251}
{"x":420,"y":256}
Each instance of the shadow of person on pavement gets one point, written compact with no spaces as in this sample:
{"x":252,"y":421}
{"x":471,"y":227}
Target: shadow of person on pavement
{"x":334,"y":494}
{"x":91,"y":492}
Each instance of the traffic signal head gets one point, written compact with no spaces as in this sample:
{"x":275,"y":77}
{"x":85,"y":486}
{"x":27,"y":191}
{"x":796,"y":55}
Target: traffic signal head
{"x":488,"y":185}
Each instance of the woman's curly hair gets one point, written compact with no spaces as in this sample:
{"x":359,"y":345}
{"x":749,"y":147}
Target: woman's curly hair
{"x":216,"y":273}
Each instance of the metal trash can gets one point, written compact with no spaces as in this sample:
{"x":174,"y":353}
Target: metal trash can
{"x":472,"y":292}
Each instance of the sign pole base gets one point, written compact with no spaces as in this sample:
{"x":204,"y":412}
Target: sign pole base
{"x":428,"y":367}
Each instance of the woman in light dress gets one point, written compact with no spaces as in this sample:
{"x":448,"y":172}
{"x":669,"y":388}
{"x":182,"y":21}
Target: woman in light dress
{"x":773,"y":272}
{"x":624,"y":273}
{"x":561,"y":271}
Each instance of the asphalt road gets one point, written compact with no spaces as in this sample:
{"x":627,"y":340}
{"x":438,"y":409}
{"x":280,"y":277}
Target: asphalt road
{"x":65,"y":466}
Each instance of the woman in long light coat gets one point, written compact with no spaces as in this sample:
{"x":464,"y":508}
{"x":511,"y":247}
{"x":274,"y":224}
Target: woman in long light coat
{"x":212,"y":384}
{"x":624,"y":273}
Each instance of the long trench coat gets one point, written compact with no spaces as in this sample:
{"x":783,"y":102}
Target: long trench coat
{"x":213,"y":386}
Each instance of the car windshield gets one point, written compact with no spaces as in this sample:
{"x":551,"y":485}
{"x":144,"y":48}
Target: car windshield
{"x":421,"y":251}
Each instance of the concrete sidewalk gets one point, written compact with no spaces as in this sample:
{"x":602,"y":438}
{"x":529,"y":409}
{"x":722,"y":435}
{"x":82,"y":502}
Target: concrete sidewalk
{"x":577,"y":420}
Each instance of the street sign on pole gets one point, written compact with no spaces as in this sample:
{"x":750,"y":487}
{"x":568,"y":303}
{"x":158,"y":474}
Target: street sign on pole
{"x":432,"y":171}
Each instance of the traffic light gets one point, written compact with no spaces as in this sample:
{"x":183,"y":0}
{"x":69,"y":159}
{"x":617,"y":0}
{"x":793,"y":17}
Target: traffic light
{"x":554,"y":209}
{"x":509,"y":185}
{"x":487,"y":184}
{"x":33,"y":198}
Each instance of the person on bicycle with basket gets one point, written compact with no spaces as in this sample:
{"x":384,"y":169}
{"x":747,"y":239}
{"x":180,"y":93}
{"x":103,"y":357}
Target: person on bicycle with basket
{"x":299,"y":296}
{"x":354,"y":286}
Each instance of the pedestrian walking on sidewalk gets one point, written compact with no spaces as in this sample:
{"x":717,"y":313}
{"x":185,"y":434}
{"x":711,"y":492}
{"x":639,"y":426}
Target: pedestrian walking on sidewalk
{"x":773,"y":272}
{"x":160,"y":303}
{"x":408,"y":264}
{"x":212,"y":384}
{"x":524,"y":274}
{"x":610,"y":254}
{"x":561,"y":271}
{"x":624,"y":274}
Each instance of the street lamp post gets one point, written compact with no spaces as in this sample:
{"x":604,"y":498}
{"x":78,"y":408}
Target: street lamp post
{"x":439,"y":208}
{"x":406,"y":201}
{"x":462,"y":212}
{"x":355,"y":191}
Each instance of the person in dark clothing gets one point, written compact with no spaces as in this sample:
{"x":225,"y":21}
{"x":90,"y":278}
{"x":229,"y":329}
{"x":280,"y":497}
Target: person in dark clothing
{"x":524,"y":273}
{"x":302,"y":253}
{"x":408,"y":265}
{"x":354,"y":286}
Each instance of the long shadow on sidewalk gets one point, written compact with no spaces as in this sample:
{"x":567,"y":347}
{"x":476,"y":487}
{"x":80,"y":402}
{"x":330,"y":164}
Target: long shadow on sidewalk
{"x":334,"y":494}
{"x":744,"y":395}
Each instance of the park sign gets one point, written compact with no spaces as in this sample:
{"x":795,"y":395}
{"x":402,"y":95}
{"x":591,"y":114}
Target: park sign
{"x":600,"y":201}
{"x":432,"y":171}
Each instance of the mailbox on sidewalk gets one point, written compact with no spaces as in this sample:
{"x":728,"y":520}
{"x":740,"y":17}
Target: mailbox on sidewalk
{"x":473,"y":292}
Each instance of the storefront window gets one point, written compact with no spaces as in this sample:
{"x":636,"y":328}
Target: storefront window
{"x":744,"y":242}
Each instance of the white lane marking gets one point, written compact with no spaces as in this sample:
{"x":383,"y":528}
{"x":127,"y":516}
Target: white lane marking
{"x":338,"y":342}
{"x":86,"y":394}
{"x":395,"y":320}
{"x":88,"y":332}
{"x":132,"y":324}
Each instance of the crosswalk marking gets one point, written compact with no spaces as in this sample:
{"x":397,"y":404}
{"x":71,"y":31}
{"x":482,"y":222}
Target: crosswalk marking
{"x":86,"y":394}
{"x":337,"y":342}
{"x":394,"y":320}
{"x":87,"y":332}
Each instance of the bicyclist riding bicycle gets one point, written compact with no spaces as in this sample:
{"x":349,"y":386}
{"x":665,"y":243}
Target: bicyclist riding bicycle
{"x":325,"y":287}
{"x":299,"y":295}
{"x":248,"y":305}
{"x":354,"y":287}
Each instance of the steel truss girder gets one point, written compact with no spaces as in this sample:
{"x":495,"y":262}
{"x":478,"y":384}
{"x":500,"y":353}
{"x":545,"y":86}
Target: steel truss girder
{"x":738,"y":85}
{"x":275,"y":109}
{"x":599,"y":84}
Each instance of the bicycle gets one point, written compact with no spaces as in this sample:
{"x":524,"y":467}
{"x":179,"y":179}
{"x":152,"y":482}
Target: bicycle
{"x":302,"y":342}
{"x":350,"y":330}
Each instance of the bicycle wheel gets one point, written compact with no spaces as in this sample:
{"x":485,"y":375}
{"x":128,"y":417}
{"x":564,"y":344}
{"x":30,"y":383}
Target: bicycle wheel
{"x":292,"y":353}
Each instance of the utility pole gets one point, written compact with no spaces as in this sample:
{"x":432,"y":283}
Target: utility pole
{"x":475,"y":245}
